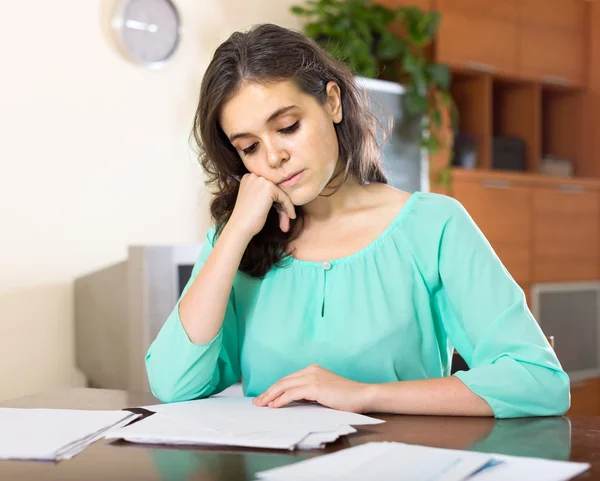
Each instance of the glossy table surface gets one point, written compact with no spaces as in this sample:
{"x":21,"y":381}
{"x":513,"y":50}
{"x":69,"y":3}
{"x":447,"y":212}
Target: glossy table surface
{"x":574,"y":438}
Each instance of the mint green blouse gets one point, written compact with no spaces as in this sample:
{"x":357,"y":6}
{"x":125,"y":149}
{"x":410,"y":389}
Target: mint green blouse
{"x":394,"y":311}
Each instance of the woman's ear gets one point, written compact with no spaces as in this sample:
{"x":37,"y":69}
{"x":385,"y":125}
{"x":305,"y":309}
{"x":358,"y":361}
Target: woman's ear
{"x":333,"y":102}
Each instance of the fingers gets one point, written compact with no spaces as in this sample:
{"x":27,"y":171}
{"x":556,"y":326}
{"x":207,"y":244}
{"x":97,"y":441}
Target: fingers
{"x":278,"y":389}
{"x":295,"y":394}
{"x":284,"y":221}
{"x":284,"y":201}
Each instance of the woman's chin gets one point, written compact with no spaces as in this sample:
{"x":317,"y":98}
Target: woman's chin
{"x":302,"y":196}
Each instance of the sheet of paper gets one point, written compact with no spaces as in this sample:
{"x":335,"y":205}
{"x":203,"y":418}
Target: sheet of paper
{"x":237,"y":415}
{"x":517,"y":467}
{"x":53,"y":434}
{"x":531,"y":469}
{"x":398,"y":461}
{"x":235,"y":421}
{"x":381,"y":461}
{"x":318,"y":440}
{"x":161,"y":429}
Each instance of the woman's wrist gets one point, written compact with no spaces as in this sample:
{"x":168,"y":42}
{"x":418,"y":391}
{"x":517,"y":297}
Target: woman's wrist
{"x":234,"y":237}
{"x":369,"y":395}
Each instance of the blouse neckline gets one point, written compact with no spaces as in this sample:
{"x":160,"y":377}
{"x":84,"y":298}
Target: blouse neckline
{"x":365,"y":250}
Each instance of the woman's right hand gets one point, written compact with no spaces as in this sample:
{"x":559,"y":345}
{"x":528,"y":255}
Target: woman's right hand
{"x":255,"y":198}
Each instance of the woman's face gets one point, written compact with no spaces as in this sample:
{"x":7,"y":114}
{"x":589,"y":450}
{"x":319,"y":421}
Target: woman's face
{"x":285,"y":135}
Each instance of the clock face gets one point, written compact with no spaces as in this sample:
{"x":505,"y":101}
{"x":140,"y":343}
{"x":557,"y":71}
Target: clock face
{"x":149,"y":30}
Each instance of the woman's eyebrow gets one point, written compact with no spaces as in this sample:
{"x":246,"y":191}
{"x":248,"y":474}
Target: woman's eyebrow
{"x":272,"y":117}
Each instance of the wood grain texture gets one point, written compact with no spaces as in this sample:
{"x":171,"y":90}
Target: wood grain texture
{"x":503,"y":213}
{"x":473,"y":96}
{"x":425,"y":5}
{"x":591,"y":164}
{"x":563,"y":15}
{"x":517,"y":112}
{"x":484,"y":37}
{"x":507,"y":10}
{"x":566,"y":235}
{"x":552,"y":40}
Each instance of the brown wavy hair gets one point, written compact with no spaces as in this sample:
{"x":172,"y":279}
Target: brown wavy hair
{"x":268,"y":53}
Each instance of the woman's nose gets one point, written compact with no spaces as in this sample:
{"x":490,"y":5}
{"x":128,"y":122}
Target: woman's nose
{"x":276,"y":156}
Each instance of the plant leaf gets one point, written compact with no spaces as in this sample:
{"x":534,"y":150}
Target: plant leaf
{"x":414,"y":102}
{"x":382,"y":16}
{"x":389,"y":46}
{"x":440,"y":75}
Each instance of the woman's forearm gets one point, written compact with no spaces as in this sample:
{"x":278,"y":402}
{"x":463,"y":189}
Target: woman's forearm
{"x":202,"y":308}
{"x":447,"y":396}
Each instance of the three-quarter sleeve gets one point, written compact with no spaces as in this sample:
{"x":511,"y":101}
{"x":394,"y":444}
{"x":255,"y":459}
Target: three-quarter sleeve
{"x":178,"y":369}
{"x":484,"y":311}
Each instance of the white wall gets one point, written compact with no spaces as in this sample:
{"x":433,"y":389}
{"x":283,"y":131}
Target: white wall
{"x":94,"y":156}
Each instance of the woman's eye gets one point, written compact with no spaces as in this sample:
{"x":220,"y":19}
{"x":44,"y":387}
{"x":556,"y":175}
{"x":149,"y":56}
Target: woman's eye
{"x":287,"y":130}
{"x":291,"y":129}
{"x":251,"y":149}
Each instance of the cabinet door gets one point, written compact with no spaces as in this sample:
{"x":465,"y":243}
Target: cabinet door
{"x":478,"y":34}
{"x":425,"y":5}
{"x":565,"y":234}
{"x":592,"y":164}
{"x":552,"y":40}
{"x":503,"y":213}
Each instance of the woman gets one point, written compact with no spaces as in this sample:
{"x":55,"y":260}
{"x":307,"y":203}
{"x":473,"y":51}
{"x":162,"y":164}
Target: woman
{"x":320,"y":282}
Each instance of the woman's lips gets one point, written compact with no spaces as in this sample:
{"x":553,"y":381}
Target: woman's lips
{"x":292,"y":180}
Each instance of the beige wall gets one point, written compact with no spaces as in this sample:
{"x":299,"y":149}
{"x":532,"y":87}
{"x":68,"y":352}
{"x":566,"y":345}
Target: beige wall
{"x":94,"y":156}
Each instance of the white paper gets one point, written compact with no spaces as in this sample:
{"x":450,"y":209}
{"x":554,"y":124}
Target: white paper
{"x":163,"y":429}
{"x":318,"y":440}
{"x":236,"y":421}
{"x":238,"y":415}
{"x":381,"y":461}
{"x":398,"y":461}
{"x":519,"y":467}
{"x":531,"y":469}
{"x":53,"y":434}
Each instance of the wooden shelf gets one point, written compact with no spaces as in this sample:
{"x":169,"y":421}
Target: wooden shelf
{"x":548,"y":118}
{"x":515,"y":110}
{"x":524,"y":178}
{"x":562,"y":126}
{"x":472,"y":93}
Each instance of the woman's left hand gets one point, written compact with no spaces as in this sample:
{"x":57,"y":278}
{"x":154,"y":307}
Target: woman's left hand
{"x":316,"y":384}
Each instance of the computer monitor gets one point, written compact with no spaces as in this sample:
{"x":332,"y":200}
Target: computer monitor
{"x":120,"y":309}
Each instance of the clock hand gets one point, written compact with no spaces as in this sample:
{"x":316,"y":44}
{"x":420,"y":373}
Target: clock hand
{"x":149,"y":27}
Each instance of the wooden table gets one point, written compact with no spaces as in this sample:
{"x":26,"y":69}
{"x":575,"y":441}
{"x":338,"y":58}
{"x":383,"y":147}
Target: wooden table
{"x":575,"y":438}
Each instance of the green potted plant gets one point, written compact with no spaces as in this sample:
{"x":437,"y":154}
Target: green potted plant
{"x":364,"y":35}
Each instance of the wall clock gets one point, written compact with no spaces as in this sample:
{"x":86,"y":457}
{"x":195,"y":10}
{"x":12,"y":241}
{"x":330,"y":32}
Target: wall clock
{"x":148,"y":31}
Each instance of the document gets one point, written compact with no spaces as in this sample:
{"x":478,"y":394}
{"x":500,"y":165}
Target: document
{"x":54,"y":434}
{"x":236,"y":421}
{"x":398,"y":461}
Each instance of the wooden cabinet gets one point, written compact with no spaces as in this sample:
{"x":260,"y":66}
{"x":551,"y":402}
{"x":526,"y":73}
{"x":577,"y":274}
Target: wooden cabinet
{"x":543,"y":40}
{"x":481,"y":35}
{"x":593,"y":93}
{"x":422,"y":4}
{"x":502,"y":211}
{"x":565,"y":233}
{"x":552,"y":40}
{"x":543,"y":229}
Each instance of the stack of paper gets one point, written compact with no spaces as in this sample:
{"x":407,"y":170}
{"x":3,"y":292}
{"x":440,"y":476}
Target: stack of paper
{"x":399,"y":462}
{"x":54,"y":434}
{"x":235,"y":421}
